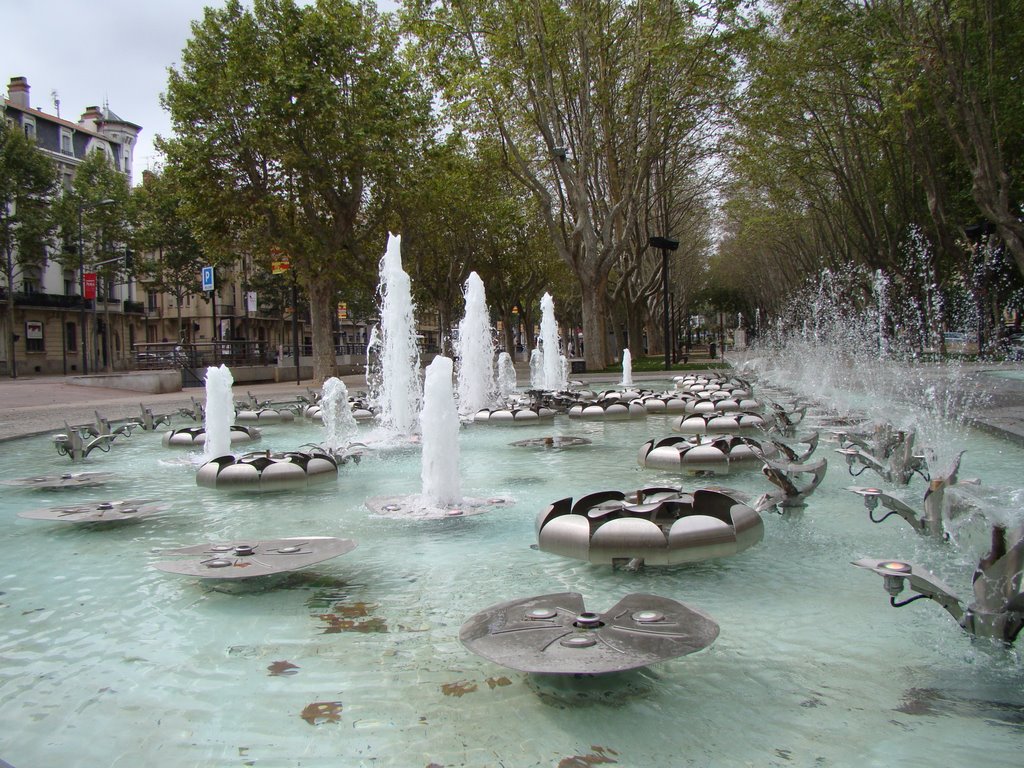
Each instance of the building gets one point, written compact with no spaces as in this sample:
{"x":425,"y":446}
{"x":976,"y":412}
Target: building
{"x":48,"y":306}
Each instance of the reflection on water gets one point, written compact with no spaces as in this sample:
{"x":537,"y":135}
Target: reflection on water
{"x":357,"y":661}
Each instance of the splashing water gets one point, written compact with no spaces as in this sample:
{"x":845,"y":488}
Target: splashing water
{"x":555,"y":378}
{"x":439,"y":423}
{"x":536,"y":368}
{"x":393,"y":358}
{"x":220,"y":412}
{"x":474,"y":349}
{"x":339,"y":423}
{"x":627,"y":368}
{"x":507,"y":383}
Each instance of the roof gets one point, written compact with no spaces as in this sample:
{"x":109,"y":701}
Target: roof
{"x":107,"y":115}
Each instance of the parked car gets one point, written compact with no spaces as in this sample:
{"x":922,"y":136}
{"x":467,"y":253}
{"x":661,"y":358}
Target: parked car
{"x":958,"y":343}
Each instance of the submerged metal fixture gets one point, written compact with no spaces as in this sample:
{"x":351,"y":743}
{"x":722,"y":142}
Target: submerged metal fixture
{"x":193,"y":436}
{"x":887,"y":451}
{"x":60,"y":482}
{"x":266,"y":471}
{"x":795,"y":483}
{"x":248,"y":559}
{"x":657,"y":526}
{"x":76,"y":443}
{"x":552,"y":442}
{"x":121,"y":511}
{"x":935,"y":508}
{"x":555,"y":634}
{"x":998,"y":607}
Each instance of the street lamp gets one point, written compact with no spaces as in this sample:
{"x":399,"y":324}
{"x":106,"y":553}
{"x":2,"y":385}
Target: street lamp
{"x":81,"y":276}
{"x":666,"y":244}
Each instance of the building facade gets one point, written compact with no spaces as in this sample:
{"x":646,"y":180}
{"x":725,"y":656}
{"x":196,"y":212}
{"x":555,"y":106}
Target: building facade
{"x":48,"y":304}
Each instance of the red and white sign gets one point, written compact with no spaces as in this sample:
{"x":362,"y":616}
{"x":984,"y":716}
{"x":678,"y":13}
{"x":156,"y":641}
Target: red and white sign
{"x":89,"y":281}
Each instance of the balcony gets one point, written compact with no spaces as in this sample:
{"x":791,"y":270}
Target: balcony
{"x":44,"y":300}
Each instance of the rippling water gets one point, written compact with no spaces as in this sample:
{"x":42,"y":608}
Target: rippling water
{"x":356,"y":661}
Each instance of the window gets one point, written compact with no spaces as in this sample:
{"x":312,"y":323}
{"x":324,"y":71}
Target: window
{"x":152,"y":298}
{"x":30,"y":127}
{"x":70,"y":284}
{"x":67,"y":146}
{"x":34,"y":336}
{"x":28,"y":285}
{"x":71,"y":336}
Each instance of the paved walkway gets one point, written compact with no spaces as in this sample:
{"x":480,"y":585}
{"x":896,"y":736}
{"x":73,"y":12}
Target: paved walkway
{"x":41,"y":405}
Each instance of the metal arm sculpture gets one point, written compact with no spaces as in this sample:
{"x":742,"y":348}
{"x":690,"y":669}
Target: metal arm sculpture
{"x":785,"y":421}
{"x":197,"y":412}
{"x":73,"y":444}
{"x":791,"y":493}
{"x":930,"y":521}
{"x":998,"y":607}
{"x":888,"y":451}
{"x":102,"y":427}
{"x":151,"y":421}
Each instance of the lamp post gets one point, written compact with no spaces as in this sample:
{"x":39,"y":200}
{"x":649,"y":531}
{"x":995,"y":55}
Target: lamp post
{"x":666,"y":244}
{"x":81,"y":277}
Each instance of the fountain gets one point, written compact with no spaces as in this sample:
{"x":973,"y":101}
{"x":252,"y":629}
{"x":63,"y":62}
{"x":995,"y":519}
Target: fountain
{"x":474,"y":348}
{"x":105,"y":655}
{"x":439,"y":425}
{"x":220,"y":411}
{"x":552,"y":368}
{"x":507,"y":384}
{"x":627,"y":369}
{"x":393,"y":357}
{"x":336,"y":413}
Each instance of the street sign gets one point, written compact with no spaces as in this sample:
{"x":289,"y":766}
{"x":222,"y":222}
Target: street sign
{"x":342,"y":310}
{"x":207,"y":278}
{"x":89,"y":285}
{"x":279,"y":261}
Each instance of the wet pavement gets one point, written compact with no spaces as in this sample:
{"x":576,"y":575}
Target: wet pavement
{"x":42,"y":404}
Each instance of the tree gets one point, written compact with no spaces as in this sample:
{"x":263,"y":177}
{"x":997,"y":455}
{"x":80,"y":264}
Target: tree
{"x":584,"y":97}
{"x":162,"y":229}
{"x":27,"y":182}
{"x":94,"y":224}
{"x":291,"y":123}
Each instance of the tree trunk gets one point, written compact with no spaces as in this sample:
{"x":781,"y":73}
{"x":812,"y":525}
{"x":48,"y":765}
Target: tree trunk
{"x":322,"y":292}
{"x":595,"y":329}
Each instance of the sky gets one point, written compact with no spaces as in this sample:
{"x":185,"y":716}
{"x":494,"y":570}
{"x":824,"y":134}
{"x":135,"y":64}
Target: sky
{"x":96,"y":52}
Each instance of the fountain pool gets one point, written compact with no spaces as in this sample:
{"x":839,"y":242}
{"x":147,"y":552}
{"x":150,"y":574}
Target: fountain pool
{"x":357,"y":661}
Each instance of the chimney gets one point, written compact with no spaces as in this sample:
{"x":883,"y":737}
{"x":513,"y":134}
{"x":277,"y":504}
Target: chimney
{"x":18,"y":92}
{"x":91,"y":118}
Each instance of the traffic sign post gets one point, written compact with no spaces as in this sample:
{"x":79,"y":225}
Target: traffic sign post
{"x":207,"y":278}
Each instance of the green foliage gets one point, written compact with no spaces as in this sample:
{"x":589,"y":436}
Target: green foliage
{"x":28,"y":179}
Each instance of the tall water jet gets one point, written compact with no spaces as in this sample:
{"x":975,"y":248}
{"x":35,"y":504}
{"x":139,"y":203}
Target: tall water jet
{"x":393,"y":358}
{"x":474,"y":348}
{"x":536,"y":368}
{"x":439,"y":423}
{"x":507,"y":383}
{"x":220,"y":412}
{"x":627,"y":368}
{"x":554,"y":378}
{"x":336,"y":411}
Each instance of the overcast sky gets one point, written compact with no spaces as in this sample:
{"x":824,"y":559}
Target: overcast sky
{"x":93,"y":52}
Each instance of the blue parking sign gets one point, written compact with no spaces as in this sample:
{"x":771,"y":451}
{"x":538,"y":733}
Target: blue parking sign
{"x":207,"y":278}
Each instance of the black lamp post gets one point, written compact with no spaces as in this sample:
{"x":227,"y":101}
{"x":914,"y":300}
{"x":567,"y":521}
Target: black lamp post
{"x":81,"y":277}
{"x":666,"y":244}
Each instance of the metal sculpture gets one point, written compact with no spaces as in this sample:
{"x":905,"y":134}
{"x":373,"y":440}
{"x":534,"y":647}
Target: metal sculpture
{"x":125,"y":510}
{"x":246,"y":559}
{"x":795,"y":483}
{"x":998,"y":607}
{"x":195,"y":436}
{"x":264,"y":415}
{"x":552,"y":442}
{"x":266,"y":471}
{"x":64,"y":481}
{"x":102,"y":427}
{"x":76,"y":443}
{"x":737,"y":422}
{"x":887,"y":450}
{"x":608,"y":409}
{"x":706,"y":454}
{"x":197,"y":412}
{"x":151,"y":421}
{"x":555,"y":634}
{"x":656,"y":526}
{"x":930,"y":521}
{"x":513,"y":415}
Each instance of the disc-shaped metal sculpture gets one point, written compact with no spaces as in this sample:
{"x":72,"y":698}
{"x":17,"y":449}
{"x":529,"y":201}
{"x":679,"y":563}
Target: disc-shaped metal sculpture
{"x":264,"y":415}
{"x":552,"y":442}
{"x":705,"y":454}
{"x":513,"y":415}
{"x":660,"y":526}
{"x":555,"y":634}
{"x":608,"y":410}
{"x":247,"y":559}
{"x":67,"y":480}
{"x":193,"y":436}
{"x":99,"y":512}
{"x":266,"y":471}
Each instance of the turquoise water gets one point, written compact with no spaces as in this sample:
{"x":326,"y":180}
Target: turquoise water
{"x":109,"y":662}
{"x":1007,"y":374}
